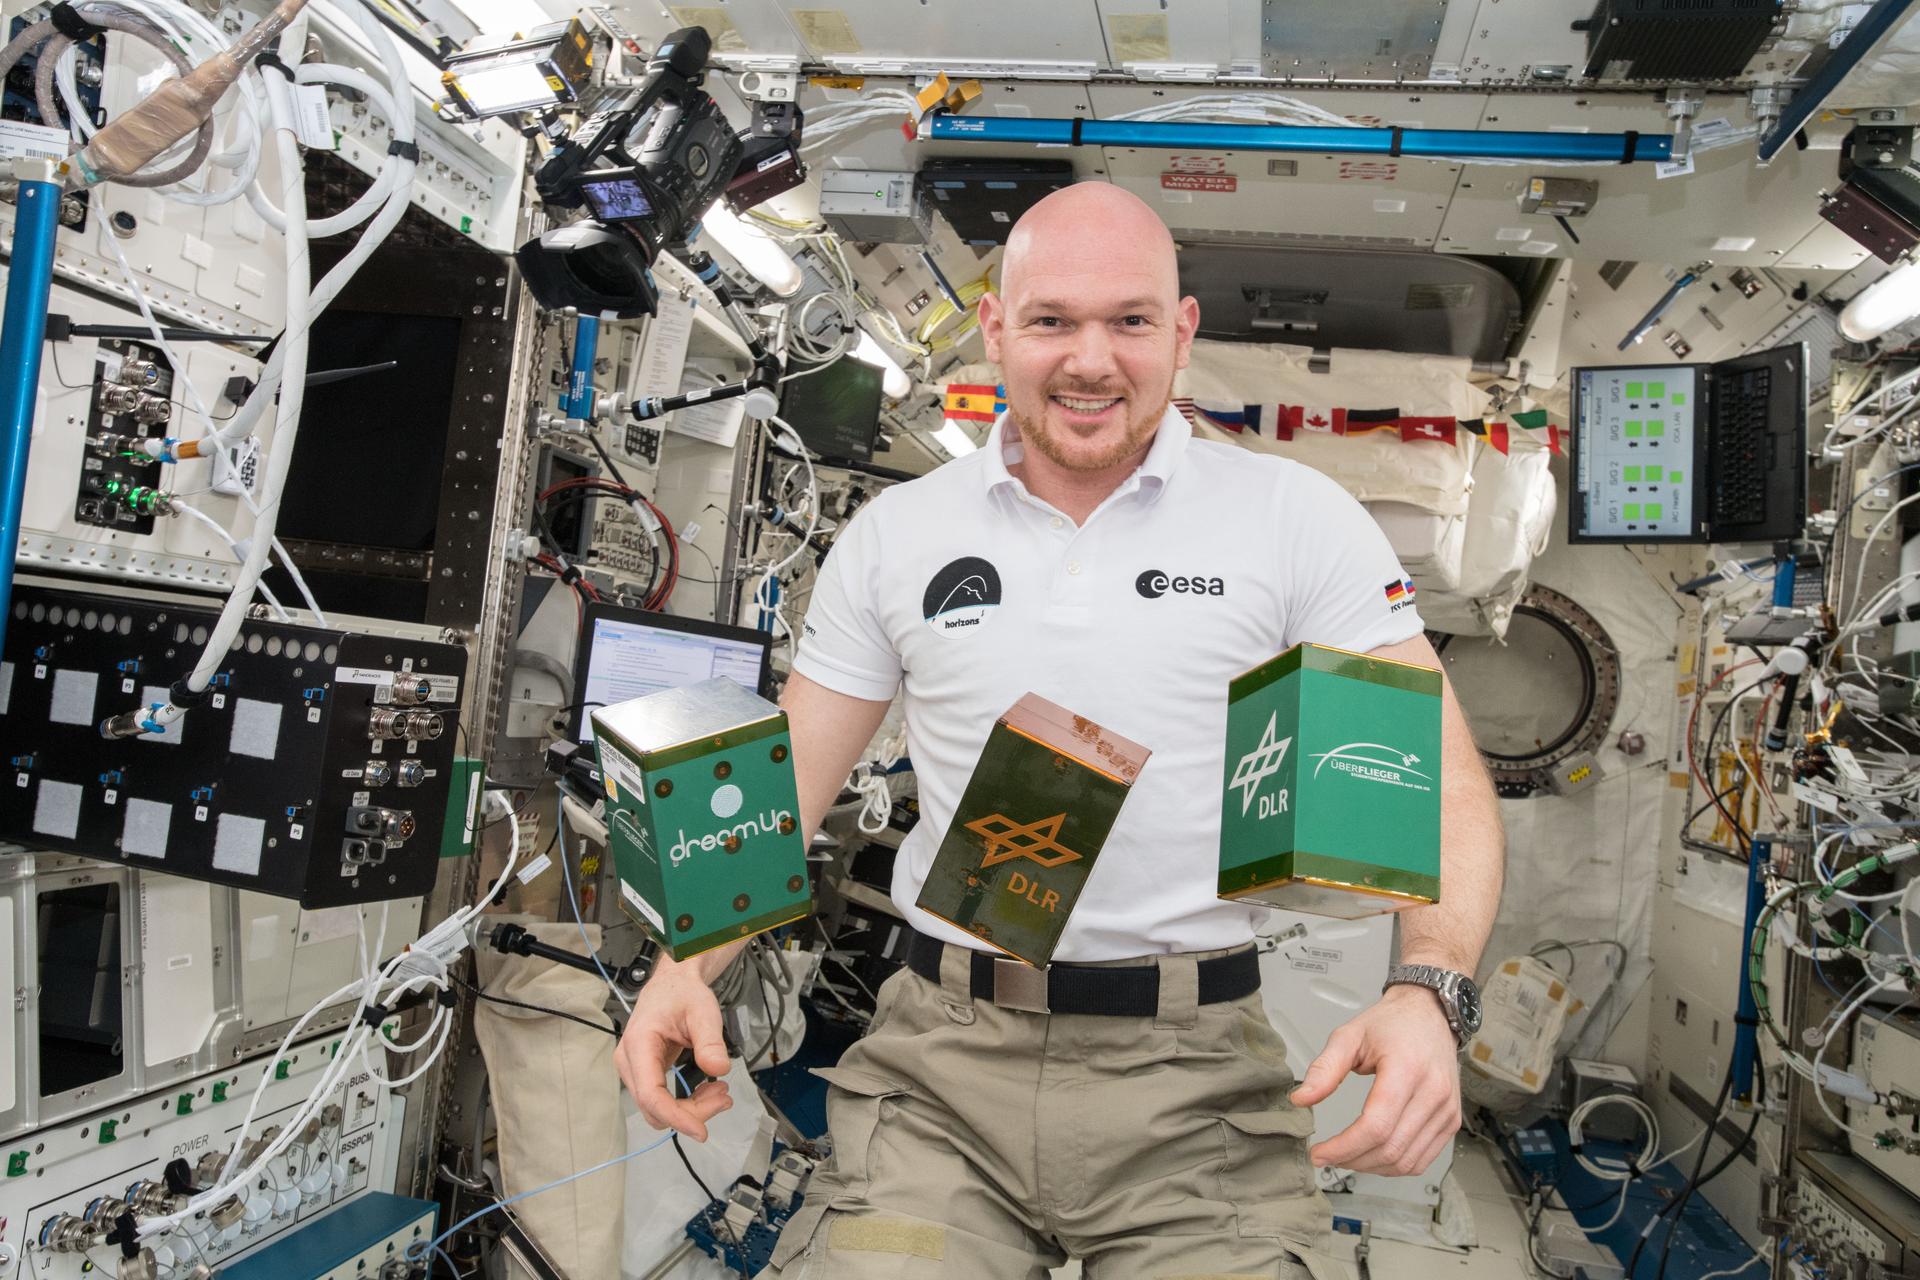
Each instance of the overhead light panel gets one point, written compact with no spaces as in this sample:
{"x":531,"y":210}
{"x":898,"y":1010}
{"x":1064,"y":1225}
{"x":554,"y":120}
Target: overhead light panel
{"x":952,"y":437}
{"x":547,"y":68}
{"x":893,"y":380}
{"x":1887,"y":303}
{"x":759,"y":256}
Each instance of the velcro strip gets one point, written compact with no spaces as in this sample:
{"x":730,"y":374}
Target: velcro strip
{"x":893,"y":1235}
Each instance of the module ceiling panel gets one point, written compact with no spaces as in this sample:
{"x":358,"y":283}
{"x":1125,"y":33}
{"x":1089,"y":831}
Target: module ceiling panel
{"x":1521,"y":42}
{"x":1330,"y":198}
{"x":979,"y":37}
{"x":1727,"y":210}
{"x":1349,"y":39}
{"x":884,"y":146}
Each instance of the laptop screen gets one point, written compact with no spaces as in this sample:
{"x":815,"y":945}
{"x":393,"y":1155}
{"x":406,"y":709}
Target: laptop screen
{"x":627,"y":653}
{"x":1636,"y":443}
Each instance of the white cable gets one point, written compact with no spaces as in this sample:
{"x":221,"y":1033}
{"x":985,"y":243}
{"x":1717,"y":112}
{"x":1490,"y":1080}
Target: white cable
{"x":369,"y":201}
{"x":424,"y":963}
{"x":279,"y":610}
{"x":293,"y":346}
{"x":870,"y":781}
{"x":573,"y":901}
{"x":1758,"y":1254}
{"x":290,"y":353}
{"x":383,"y":223}
{"x":1649,"y":1158}
{"x":1820,"y":1089}
{"x":197,"y":39}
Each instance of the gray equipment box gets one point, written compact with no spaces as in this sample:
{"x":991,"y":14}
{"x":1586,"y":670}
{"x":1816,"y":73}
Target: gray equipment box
{"x":876,"y":205}
{"x":1586,"y":1079}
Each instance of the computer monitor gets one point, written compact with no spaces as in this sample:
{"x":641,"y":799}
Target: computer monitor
{"x":629,"y":653}
{"x":1637,"y":448}
{"x":1691,"y":452}
{"x":836,"y":412}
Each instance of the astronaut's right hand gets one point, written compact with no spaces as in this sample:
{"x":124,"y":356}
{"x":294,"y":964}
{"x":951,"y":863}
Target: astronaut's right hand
{"x":674,"y":1012}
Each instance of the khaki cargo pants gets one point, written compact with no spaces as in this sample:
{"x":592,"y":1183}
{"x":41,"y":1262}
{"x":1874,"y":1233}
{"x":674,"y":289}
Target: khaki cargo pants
{"x":972,"y":1142}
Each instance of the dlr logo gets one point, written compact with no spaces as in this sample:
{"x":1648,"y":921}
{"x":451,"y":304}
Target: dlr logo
{"x":1273,"y":805}
{"x":1024,"y":887}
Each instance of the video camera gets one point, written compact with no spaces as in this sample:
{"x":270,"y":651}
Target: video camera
{"x":645,"y":167}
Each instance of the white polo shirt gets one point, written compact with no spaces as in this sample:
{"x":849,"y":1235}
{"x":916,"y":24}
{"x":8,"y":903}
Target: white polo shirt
{"x":969,"y":591}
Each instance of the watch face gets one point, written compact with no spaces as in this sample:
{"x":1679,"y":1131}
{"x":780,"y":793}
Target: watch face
{"x":1467,"y":1000}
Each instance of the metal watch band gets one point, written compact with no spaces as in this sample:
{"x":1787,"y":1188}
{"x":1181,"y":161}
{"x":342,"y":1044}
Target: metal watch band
{"x":1442,"y":982}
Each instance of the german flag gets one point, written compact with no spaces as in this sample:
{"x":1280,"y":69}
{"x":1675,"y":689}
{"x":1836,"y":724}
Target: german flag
{"x":970,"y":402}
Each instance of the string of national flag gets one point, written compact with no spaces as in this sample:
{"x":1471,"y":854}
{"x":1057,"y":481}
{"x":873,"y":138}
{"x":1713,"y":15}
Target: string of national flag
{"x":980,"y":402}
{"x":1285,"y":421}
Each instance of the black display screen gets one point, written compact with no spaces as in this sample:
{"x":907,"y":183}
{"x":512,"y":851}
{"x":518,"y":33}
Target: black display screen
{"x":837,"y":410}
{"x":620,"y":200}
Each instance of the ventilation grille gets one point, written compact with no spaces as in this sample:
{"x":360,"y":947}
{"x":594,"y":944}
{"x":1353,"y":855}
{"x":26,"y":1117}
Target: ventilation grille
{"x":1212,"y":235}
{"x":1676,"y":39}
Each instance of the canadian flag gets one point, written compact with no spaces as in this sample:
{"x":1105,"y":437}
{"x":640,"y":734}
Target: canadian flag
{"x":1329,"y":421}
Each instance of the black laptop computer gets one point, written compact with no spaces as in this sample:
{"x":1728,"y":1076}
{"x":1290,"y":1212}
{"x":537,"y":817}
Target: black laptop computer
{"x":1691,"y":452}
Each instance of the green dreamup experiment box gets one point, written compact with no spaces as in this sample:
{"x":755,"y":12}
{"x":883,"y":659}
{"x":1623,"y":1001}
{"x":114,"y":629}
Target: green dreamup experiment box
{"x":1331,"y":800}
{"x":703,"y":816}
{"x":1029,"y":827}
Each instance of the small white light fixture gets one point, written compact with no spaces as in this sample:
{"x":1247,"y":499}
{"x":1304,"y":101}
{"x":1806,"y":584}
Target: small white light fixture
{"x":759,"y":256}
{"x":893,"y":380}
{"x":1887,"y":303}
{"x":954,"y":439}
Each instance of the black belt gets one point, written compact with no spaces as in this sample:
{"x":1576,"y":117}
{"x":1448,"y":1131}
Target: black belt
{"x":1124,"y":991}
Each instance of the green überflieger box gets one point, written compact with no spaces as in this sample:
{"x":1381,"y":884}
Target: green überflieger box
{"x":1331,"y":800}
{"x":1029,"y":826}
{"x":703,"y":817}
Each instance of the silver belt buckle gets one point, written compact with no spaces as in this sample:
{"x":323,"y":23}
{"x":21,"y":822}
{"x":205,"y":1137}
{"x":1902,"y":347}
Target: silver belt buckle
{"x":1018,"y":985}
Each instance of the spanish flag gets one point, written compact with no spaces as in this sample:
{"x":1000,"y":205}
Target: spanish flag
{"x":969,"y":402}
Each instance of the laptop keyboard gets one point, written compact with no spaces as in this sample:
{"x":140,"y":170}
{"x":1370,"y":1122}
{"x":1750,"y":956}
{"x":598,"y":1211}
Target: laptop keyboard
{"x":1741,"y":447}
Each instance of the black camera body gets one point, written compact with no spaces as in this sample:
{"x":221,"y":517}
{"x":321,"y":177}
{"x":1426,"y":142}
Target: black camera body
{"x":645,"y":167}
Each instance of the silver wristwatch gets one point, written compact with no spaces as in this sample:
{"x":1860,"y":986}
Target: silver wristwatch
{"x":1459,"y":997}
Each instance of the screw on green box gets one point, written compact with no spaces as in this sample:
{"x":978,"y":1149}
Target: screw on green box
{"x":1331,"y":799}
{"x":703,"y":814}
{"x":1029,"y":827}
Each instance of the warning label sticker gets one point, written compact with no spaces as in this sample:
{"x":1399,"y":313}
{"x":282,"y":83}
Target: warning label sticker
{"x":1196,"y":164}
{"x":1369,"y":170}
{"x":1199,"y":182}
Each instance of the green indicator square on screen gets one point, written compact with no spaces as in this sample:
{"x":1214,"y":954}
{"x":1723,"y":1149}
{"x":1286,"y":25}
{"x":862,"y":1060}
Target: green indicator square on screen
{"x":1630,"y":475}
{"x":1657,"y":390}
{"x":1633,"y":428}
{"x":1675,"y":477}
{"x":1653,"y":511}
{"x":1631,"y":511}
{"x":1635,"y":390}
{"x":1655,"y":427}
{"x":1653,"y":473}
{"x":1679,"y":398}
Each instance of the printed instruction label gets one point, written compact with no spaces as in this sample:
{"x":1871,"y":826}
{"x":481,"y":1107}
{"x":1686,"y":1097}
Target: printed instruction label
{"x":311,"y":122}
{"x":440,"y":688}
{"x":640,"y":904}
{"x":20,"y":141}
{"x":620,"y":772}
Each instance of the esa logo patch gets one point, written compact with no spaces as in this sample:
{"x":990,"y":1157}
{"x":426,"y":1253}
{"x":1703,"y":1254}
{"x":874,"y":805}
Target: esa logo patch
{"x":961,"y":597}
{"x":1153,"y":584}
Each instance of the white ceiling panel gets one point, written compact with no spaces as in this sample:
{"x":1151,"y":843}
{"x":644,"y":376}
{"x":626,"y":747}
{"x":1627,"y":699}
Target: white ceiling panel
{"x":962,"y":35}
{"x":883,"y":146}
{"x":758,"y":27}
{"x":1350,"y":199}
{"x":1727,"y":210}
